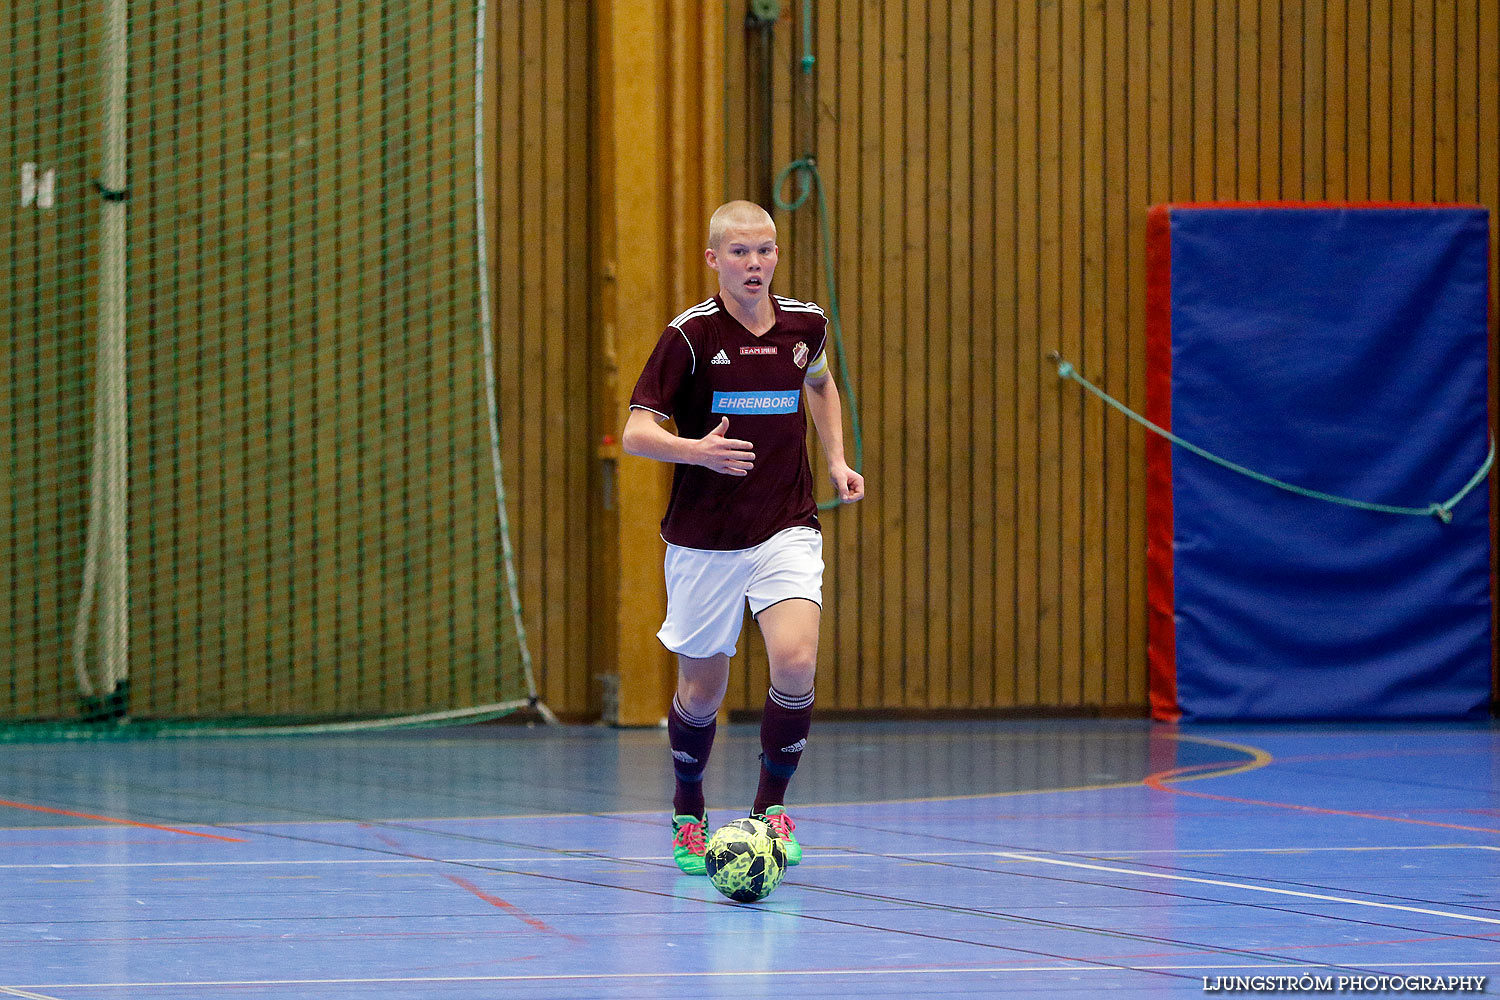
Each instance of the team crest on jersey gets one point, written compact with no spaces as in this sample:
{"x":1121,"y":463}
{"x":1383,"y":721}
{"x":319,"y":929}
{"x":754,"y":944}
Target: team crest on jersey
{"x":765,"y":349}
{"x":799,"y":355}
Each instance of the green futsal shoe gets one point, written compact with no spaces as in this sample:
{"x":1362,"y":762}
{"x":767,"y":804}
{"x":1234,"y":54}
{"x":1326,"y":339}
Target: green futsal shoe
{"x":689,"y":843}
{"x":776,"y":818}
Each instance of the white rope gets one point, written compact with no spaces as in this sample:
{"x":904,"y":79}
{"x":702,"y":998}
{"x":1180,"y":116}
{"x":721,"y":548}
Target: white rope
{"x":90,"y":564}
{"x":114,"y":609}
{"x":477,"y":713}
{"x":109,"y":472}
{"x":491,"y":395}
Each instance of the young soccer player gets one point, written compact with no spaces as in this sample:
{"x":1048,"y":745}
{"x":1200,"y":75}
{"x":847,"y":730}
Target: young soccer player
{"x":741,"y":524}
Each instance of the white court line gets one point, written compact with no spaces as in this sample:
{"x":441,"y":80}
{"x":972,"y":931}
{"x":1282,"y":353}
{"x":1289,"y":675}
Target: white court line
{"x":584,"y":854}
{"x":1246,"y":886}
{"x":756,"y":974}
{"x":12,"y":991}
{"x":1111,"y":853}
{"x":292,"y":863}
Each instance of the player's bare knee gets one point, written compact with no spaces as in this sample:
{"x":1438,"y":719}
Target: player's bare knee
{"x":702,"y":683}
{"x":793,"y":671}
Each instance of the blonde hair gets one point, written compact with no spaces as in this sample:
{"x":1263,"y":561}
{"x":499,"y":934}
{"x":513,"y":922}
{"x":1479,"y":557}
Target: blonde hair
{"x":733,"y":213}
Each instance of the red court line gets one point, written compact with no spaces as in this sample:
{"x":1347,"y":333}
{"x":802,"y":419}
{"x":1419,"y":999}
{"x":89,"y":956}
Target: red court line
{"x":121,"y":822}
{"x":510,"y":908}
{"x":479,"y":893}
{"x":1317,"y":758}
{"x":1158,"y":781}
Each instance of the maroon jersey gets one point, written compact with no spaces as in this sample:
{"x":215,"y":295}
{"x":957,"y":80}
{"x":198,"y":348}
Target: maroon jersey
{"x":707,"y":366}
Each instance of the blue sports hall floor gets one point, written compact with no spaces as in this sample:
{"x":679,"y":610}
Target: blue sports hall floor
{"x":943,"y":859}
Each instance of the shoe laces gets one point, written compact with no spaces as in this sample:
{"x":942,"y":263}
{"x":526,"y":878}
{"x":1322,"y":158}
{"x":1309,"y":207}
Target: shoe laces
{"x":690,"y":835}
{"x":782,"y":824}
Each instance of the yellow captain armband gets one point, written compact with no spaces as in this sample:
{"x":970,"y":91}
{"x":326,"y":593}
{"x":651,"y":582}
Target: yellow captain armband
{"x":819,"y":368}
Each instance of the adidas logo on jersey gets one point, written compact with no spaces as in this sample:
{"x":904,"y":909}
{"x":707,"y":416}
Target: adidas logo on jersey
{"x":720,"y":359}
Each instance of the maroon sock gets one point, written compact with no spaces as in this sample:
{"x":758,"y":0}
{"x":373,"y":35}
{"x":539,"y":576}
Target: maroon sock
{"x":692,"y":740}
{"x":783,"y":734}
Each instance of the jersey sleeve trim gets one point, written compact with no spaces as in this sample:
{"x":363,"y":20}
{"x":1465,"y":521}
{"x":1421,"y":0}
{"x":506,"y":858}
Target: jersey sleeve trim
{"x":705,"y":308}
{"x":819,"y":367}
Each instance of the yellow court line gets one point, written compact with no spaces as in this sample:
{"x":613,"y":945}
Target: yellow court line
{"x":1258,"y":759}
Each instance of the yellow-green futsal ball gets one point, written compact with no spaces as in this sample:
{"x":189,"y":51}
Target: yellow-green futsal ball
{"x":745,"y":860}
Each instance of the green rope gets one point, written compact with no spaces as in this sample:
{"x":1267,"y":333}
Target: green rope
{"x":810,"y":181}
{"x":1442,"y":511}
{"x":807,"y":44}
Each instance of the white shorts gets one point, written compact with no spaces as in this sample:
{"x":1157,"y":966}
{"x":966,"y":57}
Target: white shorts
{"x":707,"y":588}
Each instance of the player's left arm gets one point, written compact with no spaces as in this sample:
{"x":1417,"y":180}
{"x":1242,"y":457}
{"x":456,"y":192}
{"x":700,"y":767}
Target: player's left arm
{"x":827,"y":416}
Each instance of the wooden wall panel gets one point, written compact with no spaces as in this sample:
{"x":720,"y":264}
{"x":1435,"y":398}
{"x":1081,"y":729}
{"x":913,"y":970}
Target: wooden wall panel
{"x":989,"y":167}
{"x":659,"y":84}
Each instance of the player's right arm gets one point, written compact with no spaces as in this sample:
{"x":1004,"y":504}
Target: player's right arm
{"x":645,"y":436}
{"x":672,"y":364}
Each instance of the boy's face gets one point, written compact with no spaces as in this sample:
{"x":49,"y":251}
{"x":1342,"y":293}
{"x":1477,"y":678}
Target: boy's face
{"x":745,"y":259}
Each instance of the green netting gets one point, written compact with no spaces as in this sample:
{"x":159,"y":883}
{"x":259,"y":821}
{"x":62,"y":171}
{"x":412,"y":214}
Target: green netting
{"x":247,"y":467}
